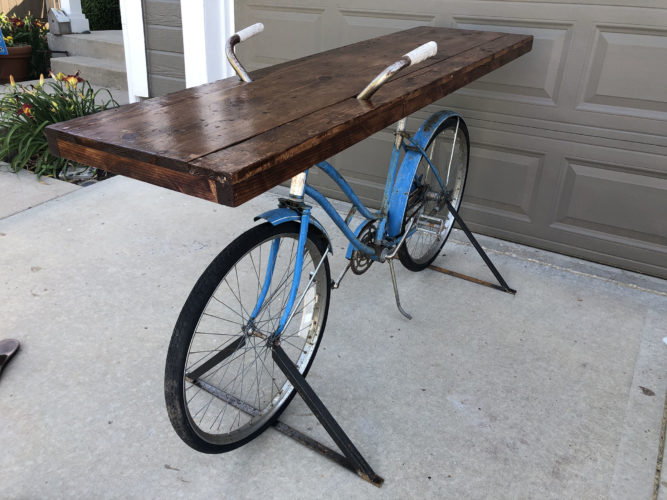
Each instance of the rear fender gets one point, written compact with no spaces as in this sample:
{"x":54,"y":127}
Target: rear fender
{"x":406,"y":172}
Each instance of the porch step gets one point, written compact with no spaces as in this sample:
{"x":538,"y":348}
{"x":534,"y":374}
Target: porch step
{"x":98,"y":44}
{"x":103,"y":72}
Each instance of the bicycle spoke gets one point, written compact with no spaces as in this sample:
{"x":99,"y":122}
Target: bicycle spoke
{"x":254,"y":268}
{"x":218,"y":317}
{"x":219,"y":333}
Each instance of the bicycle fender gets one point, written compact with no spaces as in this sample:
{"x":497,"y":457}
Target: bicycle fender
{"x":431,"y":126}
{"x":282,"y":215}
{"x":403,"y":183}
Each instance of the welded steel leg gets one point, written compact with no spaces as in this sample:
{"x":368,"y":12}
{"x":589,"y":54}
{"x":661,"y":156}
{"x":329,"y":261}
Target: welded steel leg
{"x":503,"y":284}
{"x":282,"y":427}
{"x":355,"y":459}
{"x":218,"y":358}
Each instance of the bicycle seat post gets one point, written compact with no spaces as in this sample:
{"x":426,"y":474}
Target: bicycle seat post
{"x":393,"y":164}
{"x":298,"y":186}
{"x":400,"y":129}
{"x":400,"y":132}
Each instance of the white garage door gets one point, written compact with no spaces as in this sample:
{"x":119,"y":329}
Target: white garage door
{"x":569,"y":143}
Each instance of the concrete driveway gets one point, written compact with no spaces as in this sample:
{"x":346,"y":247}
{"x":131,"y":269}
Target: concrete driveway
{"x":558,"y":392}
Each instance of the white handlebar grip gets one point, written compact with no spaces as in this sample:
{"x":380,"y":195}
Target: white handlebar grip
{"x":250,"y":31}
{"x":421,"y":53}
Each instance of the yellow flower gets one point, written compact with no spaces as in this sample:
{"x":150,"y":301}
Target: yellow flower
{"x":71,"y":81}
{"x":55,"y":105}
{"x":59,"y":77}
{"x":11,"y":81}
{"x":9,"y":40}
{"x":41,"y":80}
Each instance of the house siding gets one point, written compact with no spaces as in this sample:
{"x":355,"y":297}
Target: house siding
{"x":164,"y":46}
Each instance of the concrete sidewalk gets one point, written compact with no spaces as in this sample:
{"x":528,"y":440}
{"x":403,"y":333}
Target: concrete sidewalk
{"x":23,"y":190}
{"x":557,"y":392}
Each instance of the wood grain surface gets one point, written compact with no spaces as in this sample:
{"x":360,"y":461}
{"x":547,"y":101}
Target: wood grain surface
{"x":248,"y":137}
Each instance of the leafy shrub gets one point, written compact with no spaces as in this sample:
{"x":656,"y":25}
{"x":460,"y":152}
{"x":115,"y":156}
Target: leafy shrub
{"x":102,"y":14}
{"x":27,"y":31}
{"x":21,"y":31}
{"x":25,"y":112}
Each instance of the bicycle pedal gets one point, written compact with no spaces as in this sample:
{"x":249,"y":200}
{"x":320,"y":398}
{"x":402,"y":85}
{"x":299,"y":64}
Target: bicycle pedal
{"x":430,"y":225}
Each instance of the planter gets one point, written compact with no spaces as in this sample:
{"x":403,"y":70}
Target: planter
{"x":16,"y":63}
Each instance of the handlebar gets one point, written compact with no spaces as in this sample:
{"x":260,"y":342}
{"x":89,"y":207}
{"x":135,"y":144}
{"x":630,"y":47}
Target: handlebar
{"x":415,"y":56}
{"x":421,"y":53}
{"x":238,"y":37}
{"x":250,"y":31}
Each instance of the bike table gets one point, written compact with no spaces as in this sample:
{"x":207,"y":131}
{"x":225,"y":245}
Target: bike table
{"x":230,"y":141}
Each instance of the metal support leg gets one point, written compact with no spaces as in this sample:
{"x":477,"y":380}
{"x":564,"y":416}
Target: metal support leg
{"x":355,"y":460}
{"x":504,"y":287}
{"x":278,"y":425}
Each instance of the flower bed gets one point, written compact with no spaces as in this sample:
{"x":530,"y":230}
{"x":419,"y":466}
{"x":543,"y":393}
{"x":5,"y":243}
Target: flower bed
{"x":26,"y":111}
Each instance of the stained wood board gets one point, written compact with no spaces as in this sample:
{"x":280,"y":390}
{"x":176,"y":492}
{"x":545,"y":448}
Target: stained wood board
{"x":230,"y":141}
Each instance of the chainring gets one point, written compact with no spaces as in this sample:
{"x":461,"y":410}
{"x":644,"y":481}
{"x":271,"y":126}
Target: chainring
{"x":359,"y":261}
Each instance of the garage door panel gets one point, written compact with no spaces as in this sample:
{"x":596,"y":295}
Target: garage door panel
{"x":619,"y":122}
{"x":291,"y":32}
{"x":638,"y":38}
{"x":503,"y":181}
{"x":569,"y":142}
{"x":588,"y":245}
{"x":628,"y":253}
{"x":618,"y":200}
{"x":359,"y":25}
{"x":363,"y":165}
{"x":561,"y":130}
{"x":627,"y":71}
{"x":605,"y":3}
{"x":534,"y":78}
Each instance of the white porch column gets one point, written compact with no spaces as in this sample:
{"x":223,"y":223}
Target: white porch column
{"x":78,"y":21}
{"x":131,"y":15}
{"x":207,"y":24}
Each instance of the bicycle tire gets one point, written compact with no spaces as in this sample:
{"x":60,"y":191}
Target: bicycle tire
{"x":206,"y":408}
{"x":421,"y":248}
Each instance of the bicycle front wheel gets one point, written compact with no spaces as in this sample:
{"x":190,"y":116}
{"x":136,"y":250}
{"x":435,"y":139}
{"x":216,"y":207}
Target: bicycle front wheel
{"x":448,"y":149}
{"x":221,"y":386}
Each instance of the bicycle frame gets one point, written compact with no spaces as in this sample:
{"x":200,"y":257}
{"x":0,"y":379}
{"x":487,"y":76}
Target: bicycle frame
{"x":389,"y":217}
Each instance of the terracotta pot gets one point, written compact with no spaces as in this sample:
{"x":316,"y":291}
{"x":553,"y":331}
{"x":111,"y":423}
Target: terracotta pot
{"x":16,"y":63}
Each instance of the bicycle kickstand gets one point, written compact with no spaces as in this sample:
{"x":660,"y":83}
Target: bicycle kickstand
{"x":393,"y":282}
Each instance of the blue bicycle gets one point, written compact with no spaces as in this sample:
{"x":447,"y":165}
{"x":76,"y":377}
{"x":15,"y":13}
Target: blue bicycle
{"x":271,"y":286}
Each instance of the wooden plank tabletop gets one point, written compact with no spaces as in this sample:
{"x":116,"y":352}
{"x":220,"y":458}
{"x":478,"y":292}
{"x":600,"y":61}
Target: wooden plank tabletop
{"x":230,"y":141}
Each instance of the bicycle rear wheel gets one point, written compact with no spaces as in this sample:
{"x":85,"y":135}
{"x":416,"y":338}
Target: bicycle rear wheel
{"x":448,"y":149}
{"x":221,"y":386}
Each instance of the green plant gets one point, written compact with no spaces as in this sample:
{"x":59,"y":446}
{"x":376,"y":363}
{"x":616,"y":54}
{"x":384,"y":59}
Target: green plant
{"x":26,"y":111}
{"x":102,"y":14}
{"x":27,"y":31}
